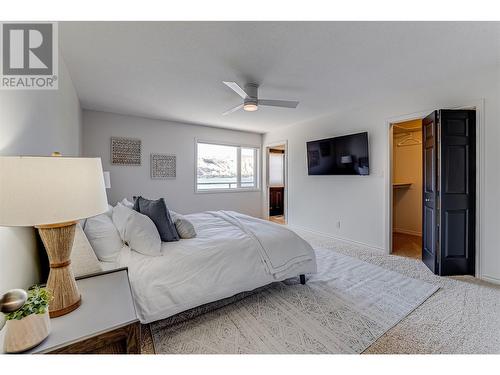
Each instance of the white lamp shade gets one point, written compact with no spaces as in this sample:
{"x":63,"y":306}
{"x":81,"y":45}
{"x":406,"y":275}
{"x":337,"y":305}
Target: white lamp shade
{"x":50,"y":190}
{"x":107,"y":180}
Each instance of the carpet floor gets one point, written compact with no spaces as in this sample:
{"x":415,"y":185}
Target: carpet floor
{"x":463,"y":316}
{"x":343,"y":309}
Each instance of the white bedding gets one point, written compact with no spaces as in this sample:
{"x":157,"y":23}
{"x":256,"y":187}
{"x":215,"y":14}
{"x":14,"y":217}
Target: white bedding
{"x":279,"y":247}
{"x":232,"y":253}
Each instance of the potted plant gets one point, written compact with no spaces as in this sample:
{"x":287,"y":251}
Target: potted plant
{"x":30,"y":325}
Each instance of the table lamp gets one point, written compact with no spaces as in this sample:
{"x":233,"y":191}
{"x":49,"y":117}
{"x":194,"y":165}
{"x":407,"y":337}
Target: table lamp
{"x":52,"y":194}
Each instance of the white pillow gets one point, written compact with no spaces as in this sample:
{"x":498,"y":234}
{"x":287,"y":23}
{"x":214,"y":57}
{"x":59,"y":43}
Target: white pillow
{"x":83,"y":258}
{"x":109,"y":212}
{"x":127,"y":203}
{"x":120,"y":217}
{"x":184,"y":227}
{"x":103,"y":237}
{"x":137,"y":230}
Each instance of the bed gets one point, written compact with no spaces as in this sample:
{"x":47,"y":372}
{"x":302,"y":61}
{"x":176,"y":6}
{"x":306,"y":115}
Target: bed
{"x":232,"y":253}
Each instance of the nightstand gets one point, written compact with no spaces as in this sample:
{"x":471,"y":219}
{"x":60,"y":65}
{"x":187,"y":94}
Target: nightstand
{"x":105,"y":323}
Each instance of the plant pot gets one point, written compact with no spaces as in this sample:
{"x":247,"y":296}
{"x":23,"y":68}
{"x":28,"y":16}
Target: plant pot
{"x":26,"y":333}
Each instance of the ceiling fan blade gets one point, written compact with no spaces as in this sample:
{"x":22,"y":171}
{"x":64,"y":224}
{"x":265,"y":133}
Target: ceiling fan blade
{"x":232,"y":110}
{"x":278,"y":103}
{"x":236,"y":88}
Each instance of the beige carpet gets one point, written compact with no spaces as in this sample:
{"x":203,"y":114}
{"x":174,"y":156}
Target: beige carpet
{"x":463,"y":316}
{"x":343,"y":308}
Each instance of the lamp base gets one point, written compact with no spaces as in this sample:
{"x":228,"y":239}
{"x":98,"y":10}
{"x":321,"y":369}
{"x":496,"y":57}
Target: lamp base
{"x":58,"y":241}
{"x":65,"y":310}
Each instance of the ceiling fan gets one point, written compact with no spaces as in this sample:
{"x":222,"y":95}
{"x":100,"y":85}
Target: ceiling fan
{"x":251,"y":101}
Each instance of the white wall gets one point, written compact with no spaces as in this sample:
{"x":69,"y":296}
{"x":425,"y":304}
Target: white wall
{"x":34,"y":122}
{"x":170,"y":138}
{"x":318,"y":202}
{"x":407,"y":168}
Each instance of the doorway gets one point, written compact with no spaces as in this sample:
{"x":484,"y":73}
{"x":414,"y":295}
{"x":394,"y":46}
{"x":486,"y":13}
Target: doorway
{"x":407,"y":189}
{"x":448,"y":182}
{"x":276,"y":182}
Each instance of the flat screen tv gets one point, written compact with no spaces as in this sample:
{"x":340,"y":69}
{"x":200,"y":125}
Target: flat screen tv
{"x":345,"y":155}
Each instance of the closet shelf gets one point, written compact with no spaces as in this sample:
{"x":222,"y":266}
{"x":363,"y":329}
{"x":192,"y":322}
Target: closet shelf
{"x":401,"y":185}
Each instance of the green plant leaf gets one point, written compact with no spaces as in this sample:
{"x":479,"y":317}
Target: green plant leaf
{"x":37,"y":303}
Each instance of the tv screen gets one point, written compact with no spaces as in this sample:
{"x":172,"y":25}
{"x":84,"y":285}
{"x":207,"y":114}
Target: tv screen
{"x":345,"y":155}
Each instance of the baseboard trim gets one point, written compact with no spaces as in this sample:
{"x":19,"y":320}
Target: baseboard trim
{"x":407,"y":231}
{"x":490,"y":279}
{"x":330,"y":236}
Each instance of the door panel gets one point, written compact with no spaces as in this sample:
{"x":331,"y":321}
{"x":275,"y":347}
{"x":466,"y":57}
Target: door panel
{"x":455,"y":227}
{"x":457,"y":197}
{"x":456,"y":127}
{"x":455,"y":174}
{"x":276,"y":200}
{"x":430,"y":183}
{"x":429,"y":224}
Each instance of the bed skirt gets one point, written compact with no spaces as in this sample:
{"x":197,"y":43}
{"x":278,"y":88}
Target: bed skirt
{"x":203,"y":309}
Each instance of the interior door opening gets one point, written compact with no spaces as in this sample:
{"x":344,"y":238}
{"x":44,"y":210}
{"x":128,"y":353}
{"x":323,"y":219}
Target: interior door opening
{"x":433,"y":176}
{"x":276,"y":183}
{"x":407,"y":189}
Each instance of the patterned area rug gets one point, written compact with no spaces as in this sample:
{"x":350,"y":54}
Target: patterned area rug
{"x":344,"y":308}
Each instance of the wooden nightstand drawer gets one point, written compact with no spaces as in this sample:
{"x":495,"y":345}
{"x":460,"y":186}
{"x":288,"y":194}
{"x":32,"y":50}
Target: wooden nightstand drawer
{"x":125,"y":340}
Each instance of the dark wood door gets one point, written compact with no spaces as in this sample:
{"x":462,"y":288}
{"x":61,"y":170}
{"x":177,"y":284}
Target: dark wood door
{"x":276,"y":201}
{"x":457,"y":186}
{"x":449,"y":192}
{"x":429,"y":210}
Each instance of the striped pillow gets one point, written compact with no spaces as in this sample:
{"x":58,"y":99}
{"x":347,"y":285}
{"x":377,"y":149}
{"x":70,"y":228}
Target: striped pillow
{"x":184,"y":227}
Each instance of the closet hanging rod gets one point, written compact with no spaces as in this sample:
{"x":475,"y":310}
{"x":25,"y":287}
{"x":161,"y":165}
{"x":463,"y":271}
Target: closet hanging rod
{"x":409,"y":141}
{"x":407,"y":130}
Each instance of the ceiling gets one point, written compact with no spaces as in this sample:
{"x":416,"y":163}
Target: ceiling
{"x":174,"y":70}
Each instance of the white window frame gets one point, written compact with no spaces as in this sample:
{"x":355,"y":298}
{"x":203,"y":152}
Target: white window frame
{"x":238,"y":189}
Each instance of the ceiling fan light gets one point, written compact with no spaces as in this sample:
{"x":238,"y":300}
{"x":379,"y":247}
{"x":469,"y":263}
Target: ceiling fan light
{"x":250,"y":107}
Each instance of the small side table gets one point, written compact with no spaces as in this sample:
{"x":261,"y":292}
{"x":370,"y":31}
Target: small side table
{"x":105,"y":323}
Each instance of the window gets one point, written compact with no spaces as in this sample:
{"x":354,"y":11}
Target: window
{"x":226,"y":167}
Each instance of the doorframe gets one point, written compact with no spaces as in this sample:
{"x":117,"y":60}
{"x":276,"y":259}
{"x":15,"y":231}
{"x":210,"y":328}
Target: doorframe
{"x":266,"y":178}
{"x":478,"y":106}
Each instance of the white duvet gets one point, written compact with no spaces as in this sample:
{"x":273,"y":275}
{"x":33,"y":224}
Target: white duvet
{"x":232,"y":253}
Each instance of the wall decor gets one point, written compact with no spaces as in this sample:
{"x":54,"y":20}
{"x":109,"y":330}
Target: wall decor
{"x":125,"y":151}
{"x":163,"y":166}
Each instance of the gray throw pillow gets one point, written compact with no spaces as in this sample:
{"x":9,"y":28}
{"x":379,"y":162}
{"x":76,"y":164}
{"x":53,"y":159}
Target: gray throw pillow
{"x":184,"y":227}
{"x":157,"y":211}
